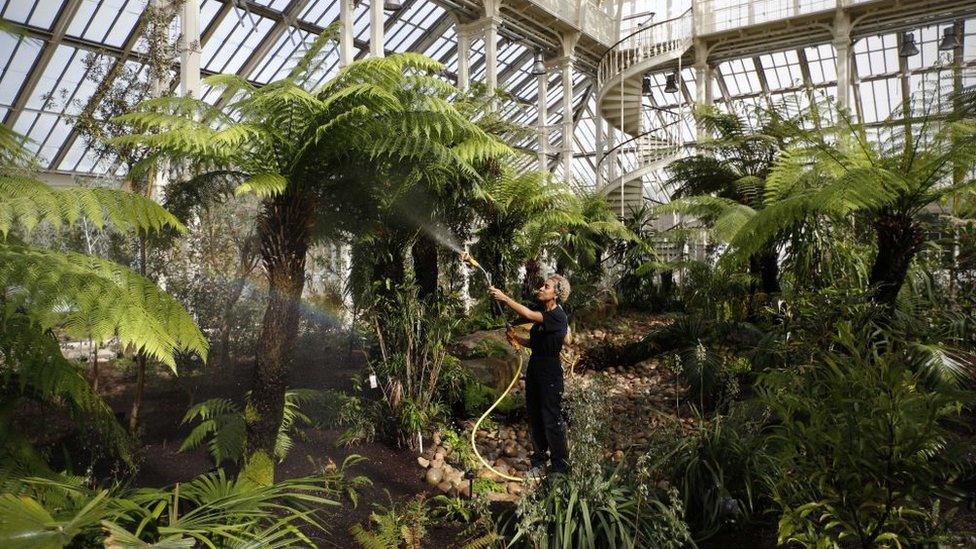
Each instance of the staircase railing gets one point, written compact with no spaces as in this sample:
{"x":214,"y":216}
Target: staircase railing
{"x":652,"y":148}
{"x":653,"y":40}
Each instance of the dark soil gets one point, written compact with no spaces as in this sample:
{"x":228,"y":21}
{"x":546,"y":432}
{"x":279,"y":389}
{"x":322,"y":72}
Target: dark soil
{"x":324,"y":363}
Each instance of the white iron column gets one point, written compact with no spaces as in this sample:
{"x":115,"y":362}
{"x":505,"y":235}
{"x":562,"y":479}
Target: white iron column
{"x":543,"y":121}
{"x":842,"y":44}
{"x":566,"y":70}
{"x":569,"y":41}
{"x":346,"y":14}
{"x":598,"y":123}
{"x":704,"y":94}
{"x":491,"y":54}
{"x":463,"y":50}
{"x":376,"y":29}
{"x":190,"y":49}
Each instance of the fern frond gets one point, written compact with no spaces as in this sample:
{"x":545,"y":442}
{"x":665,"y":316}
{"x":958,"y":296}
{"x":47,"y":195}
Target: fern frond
{"x":89,"y":297}
{"x":27,"y":202}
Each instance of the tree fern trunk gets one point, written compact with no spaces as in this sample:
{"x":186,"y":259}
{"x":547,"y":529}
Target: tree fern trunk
{"x":136,"y":412}
{"x":424,"y":253}
{"x":533,"y":278}
{"x":764,"y":265}
{"x":285,"y":228}
{"x":898,"y":239}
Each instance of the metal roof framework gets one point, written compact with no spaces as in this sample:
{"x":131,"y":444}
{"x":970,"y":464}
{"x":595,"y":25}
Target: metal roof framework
{"x":45,"y":80}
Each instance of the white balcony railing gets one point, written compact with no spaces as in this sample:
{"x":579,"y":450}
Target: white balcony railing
{"x":724,"y":15}
{"x":673,"y":35}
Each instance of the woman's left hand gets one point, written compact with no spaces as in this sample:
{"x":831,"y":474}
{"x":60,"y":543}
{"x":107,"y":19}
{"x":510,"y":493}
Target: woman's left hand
{"x":497,"y":294}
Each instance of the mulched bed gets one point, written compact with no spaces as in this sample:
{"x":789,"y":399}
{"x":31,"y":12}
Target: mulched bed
{"x":318,"y":365}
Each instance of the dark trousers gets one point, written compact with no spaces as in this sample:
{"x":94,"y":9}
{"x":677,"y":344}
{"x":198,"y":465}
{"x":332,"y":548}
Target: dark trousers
{"x":543,"y":401}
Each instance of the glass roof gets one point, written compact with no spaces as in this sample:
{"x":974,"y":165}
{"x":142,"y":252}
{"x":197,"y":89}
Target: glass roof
{"x":46,"y":79}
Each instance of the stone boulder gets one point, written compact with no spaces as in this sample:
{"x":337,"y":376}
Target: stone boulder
{"x":487,"y":355}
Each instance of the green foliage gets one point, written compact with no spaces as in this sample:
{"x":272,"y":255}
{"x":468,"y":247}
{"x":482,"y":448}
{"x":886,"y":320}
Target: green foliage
{"x":862,"y":449}
{"x":717,"y":468}
{"x":411,"y":340}
{"x":594,"y":506}
{"x":399,"y":525}
{"x":460,"y":447}
{"x":210,"y":510}
{"x":223,"y":423}
{"x":480,"y":530}
{"x":46,"y":292}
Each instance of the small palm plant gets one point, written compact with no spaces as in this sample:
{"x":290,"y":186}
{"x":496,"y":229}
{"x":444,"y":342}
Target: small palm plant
{"x":321,"y":161}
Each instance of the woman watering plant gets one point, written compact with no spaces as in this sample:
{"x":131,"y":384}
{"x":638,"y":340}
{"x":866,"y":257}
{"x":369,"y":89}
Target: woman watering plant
{"x":544,"y":378}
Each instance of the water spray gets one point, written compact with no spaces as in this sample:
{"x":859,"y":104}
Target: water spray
{"x":471,"y":262}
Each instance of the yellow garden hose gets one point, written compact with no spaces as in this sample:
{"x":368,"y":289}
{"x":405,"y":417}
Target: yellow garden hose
{"x":474,"y":430}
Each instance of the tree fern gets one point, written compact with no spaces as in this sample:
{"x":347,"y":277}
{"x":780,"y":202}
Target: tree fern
{"x":87,"y":296}
{"x":381,"y":126}
{"x":837,"y":173}
{"x":44,"y":291}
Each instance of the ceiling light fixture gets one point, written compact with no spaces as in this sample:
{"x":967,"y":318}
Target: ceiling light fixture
{"x":392,"y":5}
{"x":646,"y":85}
{"x":908,"y":46}
{"x":950,"y":40}
{"x":671,"y":85}
{"x":538,"y":68}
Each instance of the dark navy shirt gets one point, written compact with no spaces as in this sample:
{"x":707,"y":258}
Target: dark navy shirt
{"x":546,"y":337}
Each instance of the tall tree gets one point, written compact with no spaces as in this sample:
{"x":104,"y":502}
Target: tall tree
{"x":320,"y":160}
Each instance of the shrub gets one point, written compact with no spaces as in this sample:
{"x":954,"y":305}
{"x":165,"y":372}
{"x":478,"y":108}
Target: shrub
{"x":862,"y":452}
{"x":717,"y":468}
{"x":592,"y":505}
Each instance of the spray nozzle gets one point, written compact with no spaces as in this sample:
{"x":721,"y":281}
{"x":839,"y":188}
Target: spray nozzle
{"x":470,"y":261}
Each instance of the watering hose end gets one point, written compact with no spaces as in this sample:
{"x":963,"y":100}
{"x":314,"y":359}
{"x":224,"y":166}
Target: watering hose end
{"x":470,"y":261}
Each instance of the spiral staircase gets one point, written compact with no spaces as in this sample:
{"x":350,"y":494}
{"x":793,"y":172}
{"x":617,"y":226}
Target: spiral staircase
{"x":651,"y":137}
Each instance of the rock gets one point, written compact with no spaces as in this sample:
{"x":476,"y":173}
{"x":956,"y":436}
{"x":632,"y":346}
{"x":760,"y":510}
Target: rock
{"x":464,"y":489}
{"x":488,"y":356}
{"x":599,"y":334}
{"x":440,"y":454}
{"x":445,"y":487}
{"x":424,"y":462}
{"x":500,"y":462}
{"x":437,"y":438}
{"x":618,"y":455}
{"x":514,"y":488}
{"x":511,"y":450}
{"x":498,"y":496}
{"x":486,"y":473}
{"x":435,"y":475}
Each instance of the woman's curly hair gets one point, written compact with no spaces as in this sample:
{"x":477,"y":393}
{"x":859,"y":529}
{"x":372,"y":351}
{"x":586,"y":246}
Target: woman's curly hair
{"x":561,"y":284}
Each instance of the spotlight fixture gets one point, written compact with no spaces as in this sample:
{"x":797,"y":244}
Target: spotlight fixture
{"x":646,"y":85}
{"x":538,"y":68}
{"x":908,"y":47}
{"x":671,"y":85}
{"x":949,"y":39}
{"x":392,"y":5}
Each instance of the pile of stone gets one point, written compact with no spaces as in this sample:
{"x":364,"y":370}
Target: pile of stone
{"x":443,"y":470}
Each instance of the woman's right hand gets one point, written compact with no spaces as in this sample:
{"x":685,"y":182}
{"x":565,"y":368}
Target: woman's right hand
{"x":497,"y":294}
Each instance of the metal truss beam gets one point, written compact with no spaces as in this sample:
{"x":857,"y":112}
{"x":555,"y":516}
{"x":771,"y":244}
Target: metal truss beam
{"x":51,"y":43}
